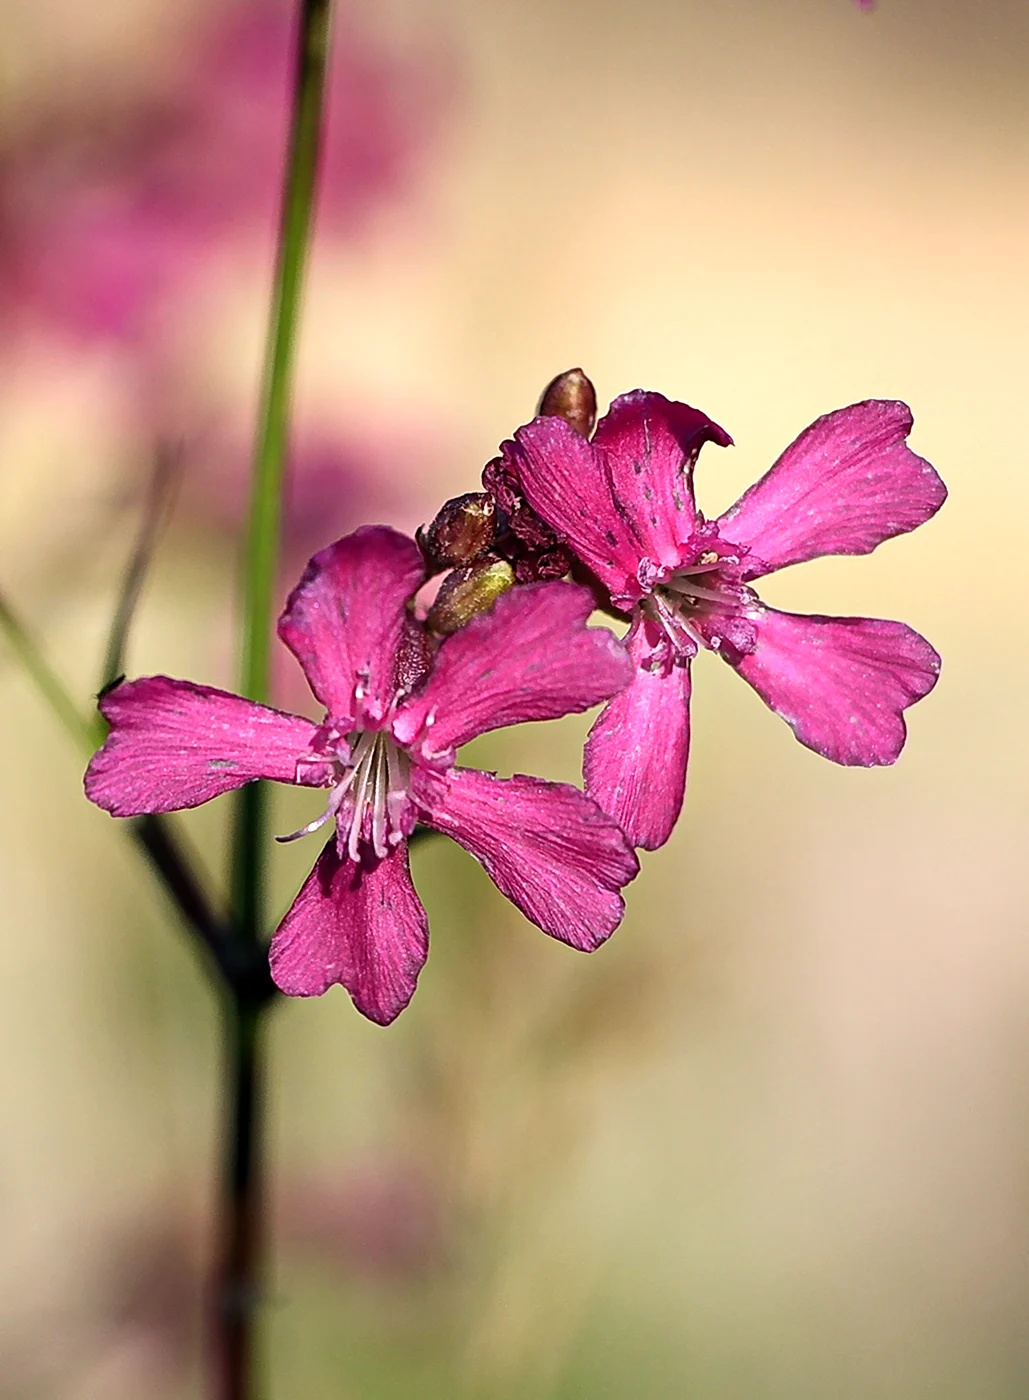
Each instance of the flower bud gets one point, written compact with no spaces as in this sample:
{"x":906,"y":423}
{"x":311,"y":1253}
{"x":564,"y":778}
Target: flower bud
{"x":462,"y":532}
{"x":572,"y":397}
{"x":467,"y":592}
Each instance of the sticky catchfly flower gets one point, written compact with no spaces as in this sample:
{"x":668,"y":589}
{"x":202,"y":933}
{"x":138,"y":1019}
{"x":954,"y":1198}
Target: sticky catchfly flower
{"x":624,"y":504}
{"x":395,"y":714}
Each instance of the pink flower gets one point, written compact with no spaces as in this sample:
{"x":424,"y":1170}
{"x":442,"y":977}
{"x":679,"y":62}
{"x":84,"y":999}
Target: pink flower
{"x":386,"y":751}
{"x":624,"y":503}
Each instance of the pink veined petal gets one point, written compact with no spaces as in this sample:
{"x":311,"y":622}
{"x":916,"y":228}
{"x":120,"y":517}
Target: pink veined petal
{"x":846,"y":484}
{"x":345,"y":618}
{"x":649,"y":446}
{"x":363,"y":927}
{"x":531,"y":657}
{"x":637,"y":751}
{"x":841,"y":683}
{"x":545,"y":846}
{"x":564,"y":481}
{"x":174,"y":744}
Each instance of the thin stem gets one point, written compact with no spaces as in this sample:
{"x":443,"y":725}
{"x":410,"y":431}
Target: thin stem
{"x":242,"y":967}
{"x":170,"y":858}
{"x":155,"y":513}
{"x":46,"y":680}
{"x":239,"y":1276}
{"x":238,"y":1279}
{"x":272,"y":440}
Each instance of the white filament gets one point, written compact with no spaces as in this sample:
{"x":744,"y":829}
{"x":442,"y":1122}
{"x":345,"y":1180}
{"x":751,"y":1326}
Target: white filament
{"x":374,"y":786}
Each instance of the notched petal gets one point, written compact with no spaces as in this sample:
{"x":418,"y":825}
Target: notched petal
{"x":637,"y":751}
{"x":649,"y":446}
{"x":174,"y":745}
{"x":846,"y":484}
{"x":546,"y":846}
{"x":565,"y":483}
{"x":842,"y":684}
{"x":345,"y":620}
{"x":361,"y":926}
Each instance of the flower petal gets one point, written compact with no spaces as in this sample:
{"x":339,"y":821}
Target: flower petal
{"x":345,"y":618}
{"x":846,"y":484}
{"x":531,"y":657}
{"x":174,"y":744}
{"x":636,"y":754}
{"x":564,"y":481}
{"x":545,"y":846}
{"x":841,"y":683}
{"x":361,"y":926}
{"x":649,"y":446}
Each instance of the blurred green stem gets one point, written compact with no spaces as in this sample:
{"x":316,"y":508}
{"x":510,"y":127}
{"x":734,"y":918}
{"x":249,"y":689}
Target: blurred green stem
{"x":273,"y":437}
{"x":238,"y":1282}
{"x":175,"y":865}
{"x":240,"y":1269}
{"x":47,"y":682}
{"x":156,"y":510}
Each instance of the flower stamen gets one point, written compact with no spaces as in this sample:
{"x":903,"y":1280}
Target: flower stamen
{"x":375,"y":783}
{"x":684,"y":587}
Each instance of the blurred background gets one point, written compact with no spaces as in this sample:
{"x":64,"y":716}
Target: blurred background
{"x":771,"y":1141}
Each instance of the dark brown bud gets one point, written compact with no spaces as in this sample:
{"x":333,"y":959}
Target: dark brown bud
{"x":572,"y":397}
{"x":462,"y":532}
{"x":467,"y":592}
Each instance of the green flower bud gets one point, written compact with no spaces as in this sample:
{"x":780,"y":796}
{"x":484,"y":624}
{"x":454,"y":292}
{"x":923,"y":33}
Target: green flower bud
{"x":467,"y":592}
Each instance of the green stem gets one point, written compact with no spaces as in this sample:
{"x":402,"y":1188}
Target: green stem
{"x":169,"y":856}
{"x":156,"y":510}
{"x":47,"y":682}
{"x":249,"y":837}
{"x":238,"y":1280}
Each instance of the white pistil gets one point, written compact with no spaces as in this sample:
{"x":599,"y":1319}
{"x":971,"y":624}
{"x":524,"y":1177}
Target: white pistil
{"x":676,"y":602}
{"x":686,"y":588}
{"x":364,"y":757}
{"x":673,"y":622}
{"x":398,"y":772}
{"x":380,"y":787}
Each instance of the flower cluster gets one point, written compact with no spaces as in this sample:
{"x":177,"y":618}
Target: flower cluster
{"x":403,"y":686}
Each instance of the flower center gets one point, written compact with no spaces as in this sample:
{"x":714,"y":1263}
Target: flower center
{"x":370,"y":799}
{"x":684,"y":604}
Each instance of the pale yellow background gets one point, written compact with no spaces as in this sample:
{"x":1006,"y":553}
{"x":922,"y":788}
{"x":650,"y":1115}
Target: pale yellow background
{"x":772,"y":1140}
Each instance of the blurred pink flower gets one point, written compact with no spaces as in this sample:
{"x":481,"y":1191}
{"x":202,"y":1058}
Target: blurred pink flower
{"x":105,"y":208}
{"x":123,"y":1319}
{"x":384,"y":1220}
{"x":624,"y":503}
{"x":335,"y":481}
{"x":386,"y":750}
{"x":372,"y":470}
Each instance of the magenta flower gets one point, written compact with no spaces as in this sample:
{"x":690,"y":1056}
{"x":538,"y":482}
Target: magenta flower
{"x":624,"y":503}
{"x":386,"y":752}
